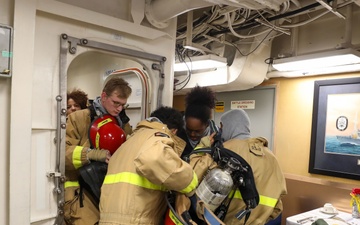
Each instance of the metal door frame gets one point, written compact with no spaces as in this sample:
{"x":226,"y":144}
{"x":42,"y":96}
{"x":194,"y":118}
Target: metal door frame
{"x":68,"y":45}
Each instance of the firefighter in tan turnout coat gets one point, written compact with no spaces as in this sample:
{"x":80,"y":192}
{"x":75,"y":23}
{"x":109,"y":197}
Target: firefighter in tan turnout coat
{"x":79,"y":207}
{"x":269,"y":179}
{"x":141,"y":171}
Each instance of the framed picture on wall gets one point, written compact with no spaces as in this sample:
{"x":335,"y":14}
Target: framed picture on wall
{"x":335,"y":134}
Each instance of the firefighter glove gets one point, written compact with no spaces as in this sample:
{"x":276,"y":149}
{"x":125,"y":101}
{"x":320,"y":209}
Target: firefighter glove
{"x":98,"y":155}
{"x":205,"y":142}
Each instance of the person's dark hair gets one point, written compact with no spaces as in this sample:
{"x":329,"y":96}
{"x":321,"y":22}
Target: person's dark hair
{"x":199,"y":102}
{"x":169,"y":116}
{"x":119,"y":85}
{"x":79,"y":96}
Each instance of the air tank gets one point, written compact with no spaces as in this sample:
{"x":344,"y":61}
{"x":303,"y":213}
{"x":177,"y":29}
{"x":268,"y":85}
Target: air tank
{"x":217,"y":184}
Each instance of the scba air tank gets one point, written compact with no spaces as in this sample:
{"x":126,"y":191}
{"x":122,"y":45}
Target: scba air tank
{"x":217,"y":184}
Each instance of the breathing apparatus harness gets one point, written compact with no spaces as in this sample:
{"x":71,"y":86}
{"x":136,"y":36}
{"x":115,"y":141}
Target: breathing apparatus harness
{"x":243,"y":179}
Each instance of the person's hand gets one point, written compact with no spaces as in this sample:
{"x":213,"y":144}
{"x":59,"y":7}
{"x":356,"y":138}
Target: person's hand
{"x":206,"y":141}
{"x":99,"y":155}
{"x":108,"y":156}
{"x":211,"y":137}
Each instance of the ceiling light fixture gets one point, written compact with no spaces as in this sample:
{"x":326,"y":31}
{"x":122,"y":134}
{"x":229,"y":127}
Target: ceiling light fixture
{"x":317,"y":61}
{"x":200,"y":62}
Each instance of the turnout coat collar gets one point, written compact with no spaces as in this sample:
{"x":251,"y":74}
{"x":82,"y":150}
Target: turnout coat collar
{"x":179,"y":143}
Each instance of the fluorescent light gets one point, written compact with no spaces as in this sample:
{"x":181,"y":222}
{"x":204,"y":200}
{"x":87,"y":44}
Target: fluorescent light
{"x":318,"y":60}
{"x":315,"y":72}
{"x":200,"y":62}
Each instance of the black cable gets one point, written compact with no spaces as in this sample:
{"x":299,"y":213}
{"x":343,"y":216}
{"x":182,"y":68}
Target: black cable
{"x":188,"y":77}
{"x":269,"y":61}
{"x":187,"y":81}
{"x":196,"y":23}
{"x":254,"y":48}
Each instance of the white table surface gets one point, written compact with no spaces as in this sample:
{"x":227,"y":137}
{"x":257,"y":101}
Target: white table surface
{"x":307,"y":218}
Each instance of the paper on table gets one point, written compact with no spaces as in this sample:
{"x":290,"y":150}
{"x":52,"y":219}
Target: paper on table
{"x":348,"y":219}
{"x":307,"y":218}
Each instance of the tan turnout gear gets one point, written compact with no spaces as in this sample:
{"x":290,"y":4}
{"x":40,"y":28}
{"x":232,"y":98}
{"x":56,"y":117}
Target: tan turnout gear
{"x":79,"y":206}
{"x":77,"y":146}
{"x":269,"y":179}
{"x":140,"y":173}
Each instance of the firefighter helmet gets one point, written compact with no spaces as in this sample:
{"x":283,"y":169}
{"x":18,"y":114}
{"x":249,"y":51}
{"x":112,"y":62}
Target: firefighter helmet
{"x":105,"y":133}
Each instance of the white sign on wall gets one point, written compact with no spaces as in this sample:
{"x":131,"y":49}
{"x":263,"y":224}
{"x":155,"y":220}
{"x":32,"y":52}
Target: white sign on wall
{"x":5,"y":50}
{"x":243,"y":104}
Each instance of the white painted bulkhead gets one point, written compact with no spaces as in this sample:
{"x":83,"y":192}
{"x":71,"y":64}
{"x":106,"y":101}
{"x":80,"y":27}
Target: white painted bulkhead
{"x":96,"y":68}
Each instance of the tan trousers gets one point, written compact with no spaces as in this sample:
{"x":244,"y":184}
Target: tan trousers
{"x":88,"y":214}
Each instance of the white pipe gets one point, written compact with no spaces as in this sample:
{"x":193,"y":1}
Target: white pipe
{"x":305,"y":22}
{"x":158,"y":12}
{"x":297,"y":3}
{"x":189,"y":28}
{"x":249,"y":4}
{"x":294,"y":38}
{"x":243,"y":36}
{"x":348,"y":26}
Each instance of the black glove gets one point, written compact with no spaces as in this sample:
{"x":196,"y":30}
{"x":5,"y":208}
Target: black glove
{"x":123,"y":117}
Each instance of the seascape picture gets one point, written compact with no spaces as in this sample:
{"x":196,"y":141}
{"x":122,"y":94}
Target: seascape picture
{"x":342,"y":124}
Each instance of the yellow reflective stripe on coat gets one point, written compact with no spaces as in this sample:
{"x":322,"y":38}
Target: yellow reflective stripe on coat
{"x":194,"y":183}
{"x":132,"y":178}
{"x":76,"y":157}
{"x":199,"y":147}
{"x":264,"y":200}
{"x":72,"y":184}
{"x":174,"y":219}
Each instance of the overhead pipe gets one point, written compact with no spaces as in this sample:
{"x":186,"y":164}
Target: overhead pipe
{"x":158,"y":17}
{"x":246,"y":72}
{"x":295,"y":38}
{"x":348,"y":27}
{"x":253,"y":23}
